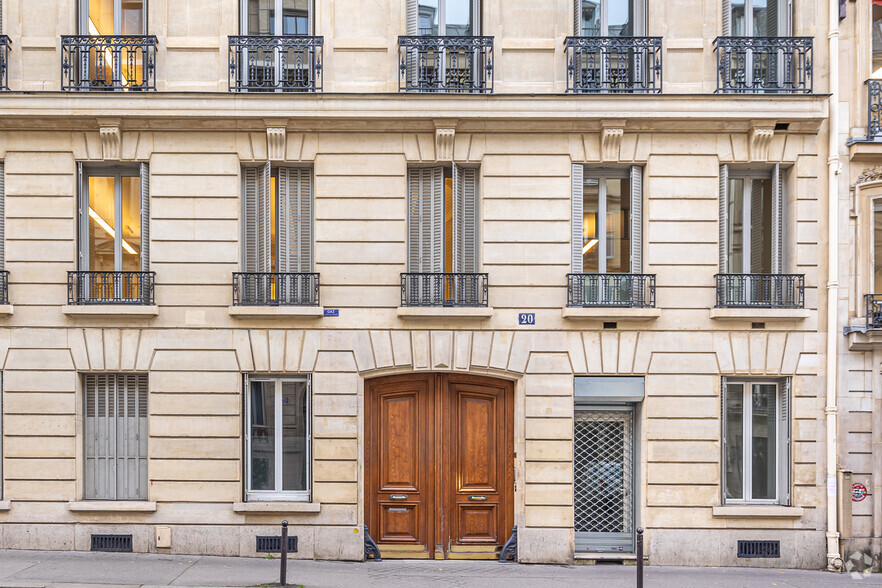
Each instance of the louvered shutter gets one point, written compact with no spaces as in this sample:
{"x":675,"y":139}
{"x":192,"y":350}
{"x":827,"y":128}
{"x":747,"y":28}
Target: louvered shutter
{"x":784,"y":442}
{"x":636,"y":219}
{"x":577,"y":217}
{"x":145,"y":217}
{"x":727,"y":19}
{"x":724,"y":219}
{"x":412,"y":20}
{"x":83,"y":233}
{"x":577,"y":18}
{"x":757,"y":228}
{"x":264,"y":219}
{"x":2,"y":217}
{"x":475,"y":17}
{"x":778,"y":245}
{"x":425,"y":220}
{"x":249,"y":220}
{"x":306,"y":220}
{"x":414,"y":219}
{"x":289,"y":257}
{"x":310,"y":22}
{"x":465,"y":254}
{"x":435,"y":220}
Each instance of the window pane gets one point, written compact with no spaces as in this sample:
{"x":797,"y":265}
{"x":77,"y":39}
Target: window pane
{"x":761,"y":226}
{"x":590,"y":225}
{"x":734,"y":450}
{"x":764,"y":441}
{"x":294,"y":438}
{"x":260,"y":17}
{"x":877,"y":41}
{"x":100,"y":19}
{"x":295,"y":17}
{"x":618,"y":226}
{"x":263,"y":436}
{"x":102,"y":213}
{"x":765,"y":18}
{"x":736,"y":226}
{"x":427,"y":23}
{"x":590,"y":18}
{"x":131,"y":220}
{"x":877,"y":248}
{"x":458,"y":17}
{"x":620,"y":18}
{"x":132,"y":17}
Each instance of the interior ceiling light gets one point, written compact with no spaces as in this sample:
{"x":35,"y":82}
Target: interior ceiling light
{"x":103,"y":224}
{"x":588,"y":247}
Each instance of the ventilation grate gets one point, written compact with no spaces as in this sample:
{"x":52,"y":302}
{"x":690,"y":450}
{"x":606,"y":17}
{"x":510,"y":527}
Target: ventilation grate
{"x":759,"y":548}
{"x":117,"y":543}
{"x":273,"y":544}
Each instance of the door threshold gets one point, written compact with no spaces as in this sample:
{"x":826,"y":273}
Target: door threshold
{"x":592,"y":558}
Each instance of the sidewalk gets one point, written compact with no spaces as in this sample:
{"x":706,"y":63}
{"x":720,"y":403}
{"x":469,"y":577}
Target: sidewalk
{"x":45,"y":568}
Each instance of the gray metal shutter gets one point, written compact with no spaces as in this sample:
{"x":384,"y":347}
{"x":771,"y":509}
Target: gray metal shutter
{"x":784,"y":443}
{"x":295,"y":220}
{"x":724,"y":220}
{"x":264,"y":219}
{"x":257,"y":219}
{"x":145,"y":217}
{"x":577,"y":18}
{"x":83,"y":212}
{"x":425,"y":220}
{"x":310,"y":26}
{"x":412,"y":21}
{"x":475,"y":17}
{"x":465,"y":221}
{"x":727,"y":18}
{"x":778,"y":245}
{"x":756,"y":222}
{"x":2,"y":217}
{"x":249,"y":219}
{"x":636,"y":219}
{"x":577,"y":216}
{"x":115,"y":431}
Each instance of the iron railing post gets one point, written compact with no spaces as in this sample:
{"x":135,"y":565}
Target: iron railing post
{"x":283,"y":564}
{"x":640,"y":557}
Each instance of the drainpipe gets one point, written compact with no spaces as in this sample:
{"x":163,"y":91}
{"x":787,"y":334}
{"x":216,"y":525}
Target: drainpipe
{"x":834,"y":559}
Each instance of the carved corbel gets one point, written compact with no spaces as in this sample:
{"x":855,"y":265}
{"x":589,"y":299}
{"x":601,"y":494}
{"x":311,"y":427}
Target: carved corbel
{"x":276,"y":143}
{"x":111,"y":141}
{"x":760,"y":140}
{"x":445,"y":133}
{"x":611,"y":140}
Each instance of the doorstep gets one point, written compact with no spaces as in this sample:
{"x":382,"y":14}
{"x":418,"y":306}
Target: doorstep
{"x":591,"y":558}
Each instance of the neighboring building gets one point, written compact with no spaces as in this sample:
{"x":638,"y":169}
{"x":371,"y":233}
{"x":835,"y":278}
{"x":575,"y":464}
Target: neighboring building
{"x":442,"y":285}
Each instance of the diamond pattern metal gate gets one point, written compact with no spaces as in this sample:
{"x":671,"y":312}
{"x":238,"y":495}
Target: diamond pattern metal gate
{"x":604,"y":475}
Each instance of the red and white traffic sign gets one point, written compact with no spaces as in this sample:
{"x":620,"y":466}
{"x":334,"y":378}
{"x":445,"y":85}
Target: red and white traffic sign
{"x":858,"y":492}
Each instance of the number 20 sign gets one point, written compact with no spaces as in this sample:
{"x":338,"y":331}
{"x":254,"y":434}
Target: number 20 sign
{"x":526,"y":318}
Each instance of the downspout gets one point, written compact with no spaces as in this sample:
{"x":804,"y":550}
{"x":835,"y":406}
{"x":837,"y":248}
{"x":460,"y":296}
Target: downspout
{"x":831,"y":410}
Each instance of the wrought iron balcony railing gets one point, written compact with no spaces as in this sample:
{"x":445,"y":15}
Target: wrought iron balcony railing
{"x":874,"y":109}
{"x":275,"y":289}
{"x":614,"y":64}
{"x":110,"y":287}
{"x":443,"y":289}
{"x":5,"y":45}
{"x":108,"y":63}
{"x":611,"y":290}
{"x":4,"y":287}
{"x":760,"y":290}
{"x":874,"y":311}
{"x":265,"y":63}
{"x":445,"y":64}
{"x":758,"y":65}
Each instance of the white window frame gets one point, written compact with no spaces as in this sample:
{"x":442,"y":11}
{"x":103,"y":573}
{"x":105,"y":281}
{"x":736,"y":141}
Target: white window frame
{"x":775,"y":174}
{"x":638,"y":26}
{"x":442,"y":17}
{"x":117,"y":173}
{"x":278,"y":495}
{"x":782,"y":441}
{"x":117,"y":17}
{"x":278,"y":23}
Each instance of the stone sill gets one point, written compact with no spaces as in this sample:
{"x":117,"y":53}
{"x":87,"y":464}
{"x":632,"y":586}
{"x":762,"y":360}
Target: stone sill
{"x":445,"y":312}
{"x":757,"y":511}
{"x":111,"y":506}
{"x":311,"y":312}
{"x":6,"y":310}
{"x":129,"y":310}
{"x":5,"y":505}
{"x":759,"y":314}
{"x":610,"y":314}
{"x":295,"y":507}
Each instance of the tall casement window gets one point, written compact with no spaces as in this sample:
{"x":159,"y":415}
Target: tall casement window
{"x":610,"y":18}
{"x":442,"y":238}
{"x":607,"y":223}
{"x":446,"y":18}
{"x":276,"y":17}
{"x":115,"y":435}
{"x":757,"y":18}
{"x":278,"y":436}
{"x":4,"y":273}
{"x":112,"y":50}
{"x":756,"y":441}
{"x":114,"y":256}
{"x":277,"y":237}
{"x":876,"y":43}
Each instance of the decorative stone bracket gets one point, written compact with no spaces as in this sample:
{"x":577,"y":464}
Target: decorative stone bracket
{"x":445,"y":133}
{"x":611,"y":140}
{"x":276,"y":143}
{"x":111,"y":141}
{"x":760,"y":140}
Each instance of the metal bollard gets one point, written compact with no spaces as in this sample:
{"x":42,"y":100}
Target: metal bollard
{"x":640,"y":557}
{"x":283,"y":572}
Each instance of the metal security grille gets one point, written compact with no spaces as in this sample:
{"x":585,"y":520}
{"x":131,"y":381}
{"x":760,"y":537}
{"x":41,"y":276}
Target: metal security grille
{"x":116,"y":436}
{"x":604,"y":456}
{"x":759,"y":548}
{"x":273,"y":544}
{"x":117,"y":543}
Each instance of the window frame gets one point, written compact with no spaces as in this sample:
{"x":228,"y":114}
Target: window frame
{"x":117,"y":172}
{"x":83,"y":18}
{"x":278,"y":23}
{"x":638,"y":25}
{"x":785,"y":25}
{"x":783,"y":441}
{"x":278,"y":495}
{"x":476,"y":6}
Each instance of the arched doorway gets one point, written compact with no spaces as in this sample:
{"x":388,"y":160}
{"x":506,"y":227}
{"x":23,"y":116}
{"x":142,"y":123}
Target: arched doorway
{"x":439,"y":465}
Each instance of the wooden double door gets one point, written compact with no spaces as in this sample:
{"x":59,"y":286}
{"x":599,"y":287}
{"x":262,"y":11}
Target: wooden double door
{"x":439,"y":463}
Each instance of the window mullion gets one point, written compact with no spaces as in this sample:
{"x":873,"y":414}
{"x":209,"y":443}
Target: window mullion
{"x":246,"y":391}
{"x":604,"y":18}
{"x":747,"y":477}
{"x":277,"y":399}
{"x":601,"y":225}
{"x":746,"y":204}
{"x":117,"y":17}
{"x":117,"y":222}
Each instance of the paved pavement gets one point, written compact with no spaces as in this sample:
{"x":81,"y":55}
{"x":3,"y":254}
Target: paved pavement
{"x":70,"y":569}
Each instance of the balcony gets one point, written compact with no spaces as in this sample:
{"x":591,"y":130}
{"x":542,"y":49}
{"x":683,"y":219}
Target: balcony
{"x":874,"y":109}
{"x":108,"y":63}
{"x":5,"y":44}
{"x":131,"y":288}
{"x":627,"y":65}
{"x":276,"y":63}
{"x":874,"y":312}
{"x":611,"y":290}
{"x":445,"y":64}
{"x":275,"y":289}
{"x":4,"y":288}
{"x":764,"y":65}
{"x":760,"y":291}
{"x":443,"y":290}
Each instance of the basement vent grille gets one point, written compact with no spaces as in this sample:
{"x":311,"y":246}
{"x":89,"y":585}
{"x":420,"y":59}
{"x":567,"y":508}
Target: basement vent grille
{"x":759,"y":548}
{"x":270,"y":544}
{"x":117,"y":543}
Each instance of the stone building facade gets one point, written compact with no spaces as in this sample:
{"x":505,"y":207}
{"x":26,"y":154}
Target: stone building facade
{"x":581,"y":371}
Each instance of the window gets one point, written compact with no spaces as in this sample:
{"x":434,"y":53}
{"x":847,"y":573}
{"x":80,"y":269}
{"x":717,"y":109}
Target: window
{"x":877,"y":247}
{"x":876,"y":35}
{"x":113,"y":17}
{"x":447,"y":18}
{"x":278,"y":438}
{"x":277,"y":17}
{"x":756,"y":441}
{"x":609,"y":18}
{"x":751,"y":221}
{"x":756,"y":18}
{"x":115,"y":434}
